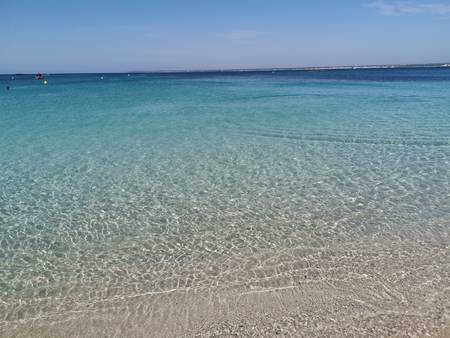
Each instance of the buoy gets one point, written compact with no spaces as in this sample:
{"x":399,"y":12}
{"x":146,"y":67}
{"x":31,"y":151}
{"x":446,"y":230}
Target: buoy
{"x":45,"y":82}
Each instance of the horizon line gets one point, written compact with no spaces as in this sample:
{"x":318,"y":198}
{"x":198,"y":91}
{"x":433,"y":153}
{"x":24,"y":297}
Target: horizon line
{"x":264,"y":69}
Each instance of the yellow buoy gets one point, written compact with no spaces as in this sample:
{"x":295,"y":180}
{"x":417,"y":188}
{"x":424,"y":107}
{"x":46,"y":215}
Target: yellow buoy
{"x":45,"y":82}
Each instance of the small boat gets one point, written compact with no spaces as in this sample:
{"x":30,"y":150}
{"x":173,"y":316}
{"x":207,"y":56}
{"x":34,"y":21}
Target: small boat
{"x":39,"y":76}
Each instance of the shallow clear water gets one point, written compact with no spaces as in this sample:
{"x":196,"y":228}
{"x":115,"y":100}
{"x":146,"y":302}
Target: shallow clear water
{"x":146,"y":183}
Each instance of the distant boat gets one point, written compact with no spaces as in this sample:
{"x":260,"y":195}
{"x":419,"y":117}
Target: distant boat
{"x":39,"y":76}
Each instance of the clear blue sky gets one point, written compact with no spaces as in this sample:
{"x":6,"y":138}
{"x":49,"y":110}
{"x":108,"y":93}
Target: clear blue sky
{"x":99,"y":36}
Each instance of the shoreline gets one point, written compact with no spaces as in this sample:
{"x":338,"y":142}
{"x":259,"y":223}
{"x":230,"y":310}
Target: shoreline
{"x":371,"y":287}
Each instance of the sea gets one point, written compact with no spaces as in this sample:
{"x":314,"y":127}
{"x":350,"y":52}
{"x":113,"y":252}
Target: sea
{"x":115,"y":187}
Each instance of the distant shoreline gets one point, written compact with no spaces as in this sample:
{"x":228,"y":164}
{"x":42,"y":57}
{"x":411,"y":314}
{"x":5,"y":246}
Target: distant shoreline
{"x":238,"y":70}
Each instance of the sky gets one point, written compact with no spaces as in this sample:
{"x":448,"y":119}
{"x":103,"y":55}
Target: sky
{"x":137,"y":35}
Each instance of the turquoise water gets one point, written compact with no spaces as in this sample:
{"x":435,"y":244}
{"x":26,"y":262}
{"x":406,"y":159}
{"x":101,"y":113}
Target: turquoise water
{"x":142,"y":183}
